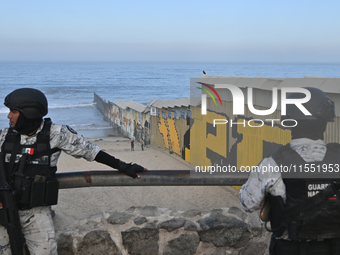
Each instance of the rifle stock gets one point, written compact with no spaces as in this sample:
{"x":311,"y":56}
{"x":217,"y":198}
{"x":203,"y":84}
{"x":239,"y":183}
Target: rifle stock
{"x":9,"y":213}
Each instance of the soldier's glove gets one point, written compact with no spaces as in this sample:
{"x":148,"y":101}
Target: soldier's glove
{"x":130,"y":169}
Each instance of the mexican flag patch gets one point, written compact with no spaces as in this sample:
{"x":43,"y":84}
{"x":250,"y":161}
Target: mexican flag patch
{"x":29,"y":151}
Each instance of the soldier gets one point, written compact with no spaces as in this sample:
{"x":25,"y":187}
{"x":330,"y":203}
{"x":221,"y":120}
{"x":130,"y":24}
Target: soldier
{"x":305,"y":209}
{"x":40,"y":142}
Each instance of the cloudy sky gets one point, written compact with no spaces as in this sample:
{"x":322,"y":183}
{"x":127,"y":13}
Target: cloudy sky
{"x":215,"y":30}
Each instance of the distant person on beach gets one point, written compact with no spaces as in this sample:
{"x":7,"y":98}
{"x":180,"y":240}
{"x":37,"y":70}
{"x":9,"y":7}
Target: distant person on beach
{"x":142,"y":144}
{"x":132,"y":144}
{"x":305,"y":207}
{"x":36,"y":144}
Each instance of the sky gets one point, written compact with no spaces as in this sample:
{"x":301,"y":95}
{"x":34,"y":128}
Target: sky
{"x":215,"y":30}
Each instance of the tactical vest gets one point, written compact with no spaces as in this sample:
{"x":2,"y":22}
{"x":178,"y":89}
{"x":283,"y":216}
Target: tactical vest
{"x":312,"y":207}
{"x":28,"y":168}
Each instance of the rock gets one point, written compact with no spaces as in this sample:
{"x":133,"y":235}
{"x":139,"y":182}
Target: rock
{"x":190,"y":226}
{"x":254,"y":248}
{"x":140,"y":220}
{"x":185,"y":244}
{"x":255,"y":224}
{"x":238,"y":212}
{"x":216,"y":212}
{"x":191,"y":213}
{"x":218,"y":253}
{"x":65,"y":244}
{"x":119,"y":218}
{"x":221,"y":230}
{"x":243,"y":240}
{"x":151,"y":224}
{"x":221,"y":237}
{"x":97,"y":242}
{"x":142,"y":241}
{"x":171,"y":225}
{"x":216,"y":220}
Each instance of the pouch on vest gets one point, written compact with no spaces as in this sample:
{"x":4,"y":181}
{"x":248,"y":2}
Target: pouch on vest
{"x":44,"y":191}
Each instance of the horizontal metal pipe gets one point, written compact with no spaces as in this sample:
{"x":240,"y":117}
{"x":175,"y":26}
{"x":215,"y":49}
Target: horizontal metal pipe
{"x":150,"y":178}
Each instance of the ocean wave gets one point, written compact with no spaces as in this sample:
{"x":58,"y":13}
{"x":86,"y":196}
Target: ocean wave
{"x":70,"y":106}
{"x":6,"y":110}
{"x":89,"y":126}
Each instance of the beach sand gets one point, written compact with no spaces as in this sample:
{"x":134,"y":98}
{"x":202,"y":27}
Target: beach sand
{"x":80,"y":203}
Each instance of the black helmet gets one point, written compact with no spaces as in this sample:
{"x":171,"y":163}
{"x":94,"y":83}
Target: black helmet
{"x":320,"y":106}
{"x":32,"y":103}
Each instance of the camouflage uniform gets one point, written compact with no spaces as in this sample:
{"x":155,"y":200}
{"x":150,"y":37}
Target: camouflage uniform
{"x":253,"y":193}
{"x":37,"y":224}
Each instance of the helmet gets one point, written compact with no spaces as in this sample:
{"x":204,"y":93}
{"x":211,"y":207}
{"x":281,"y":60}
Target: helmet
{"x":32,"y":103}
{"x":320,"y":106}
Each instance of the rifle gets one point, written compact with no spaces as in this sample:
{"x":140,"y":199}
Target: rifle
{"x":9,"y":215}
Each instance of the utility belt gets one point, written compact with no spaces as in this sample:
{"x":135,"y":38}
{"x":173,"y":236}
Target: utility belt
{"x":37,"y":191}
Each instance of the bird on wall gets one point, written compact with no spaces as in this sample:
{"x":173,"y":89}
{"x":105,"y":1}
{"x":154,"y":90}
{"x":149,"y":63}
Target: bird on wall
{"x":204,"y":72}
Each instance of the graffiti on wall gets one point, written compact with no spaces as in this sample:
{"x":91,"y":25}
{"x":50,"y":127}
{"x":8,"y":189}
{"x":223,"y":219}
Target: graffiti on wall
{"x":196,"y":139}
{"x":169,"y":132}
{"x":126,"y":122}
{"x":206,"y":144}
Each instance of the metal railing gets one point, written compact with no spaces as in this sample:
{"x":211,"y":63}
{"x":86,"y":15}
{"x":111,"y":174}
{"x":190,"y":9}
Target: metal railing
{"x":150,"y":178}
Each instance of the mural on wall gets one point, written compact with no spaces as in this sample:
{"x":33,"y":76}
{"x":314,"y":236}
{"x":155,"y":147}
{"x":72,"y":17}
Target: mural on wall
{"x":238,"y":145}
{"x":168,"y":130}
{"x":196,"y":139}
{"x":126,"y":122}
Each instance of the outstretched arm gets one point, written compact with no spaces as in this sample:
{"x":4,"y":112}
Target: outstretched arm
{"x":128,"y":169}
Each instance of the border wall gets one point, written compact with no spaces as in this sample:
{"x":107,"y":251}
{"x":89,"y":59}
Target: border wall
{"x":128,"y":119}
{"x":178,"y":125}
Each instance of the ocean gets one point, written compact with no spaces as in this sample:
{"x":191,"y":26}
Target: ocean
{"x":69,"y":86}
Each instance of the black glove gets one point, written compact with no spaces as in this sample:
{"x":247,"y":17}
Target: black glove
{"x":130,"y":169}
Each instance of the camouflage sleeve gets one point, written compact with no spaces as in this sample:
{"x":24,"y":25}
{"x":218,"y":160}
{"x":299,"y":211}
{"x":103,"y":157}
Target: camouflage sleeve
{"x":254,"y":192}
{"x":67,"y":140}
{"x":3,"y":134}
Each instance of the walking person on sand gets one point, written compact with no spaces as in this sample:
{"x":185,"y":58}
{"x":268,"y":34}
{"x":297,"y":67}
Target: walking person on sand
{"x":132,"y":144}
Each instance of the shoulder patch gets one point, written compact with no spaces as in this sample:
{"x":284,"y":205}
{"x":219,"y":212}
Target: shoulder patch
{"x":71,"y":129}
